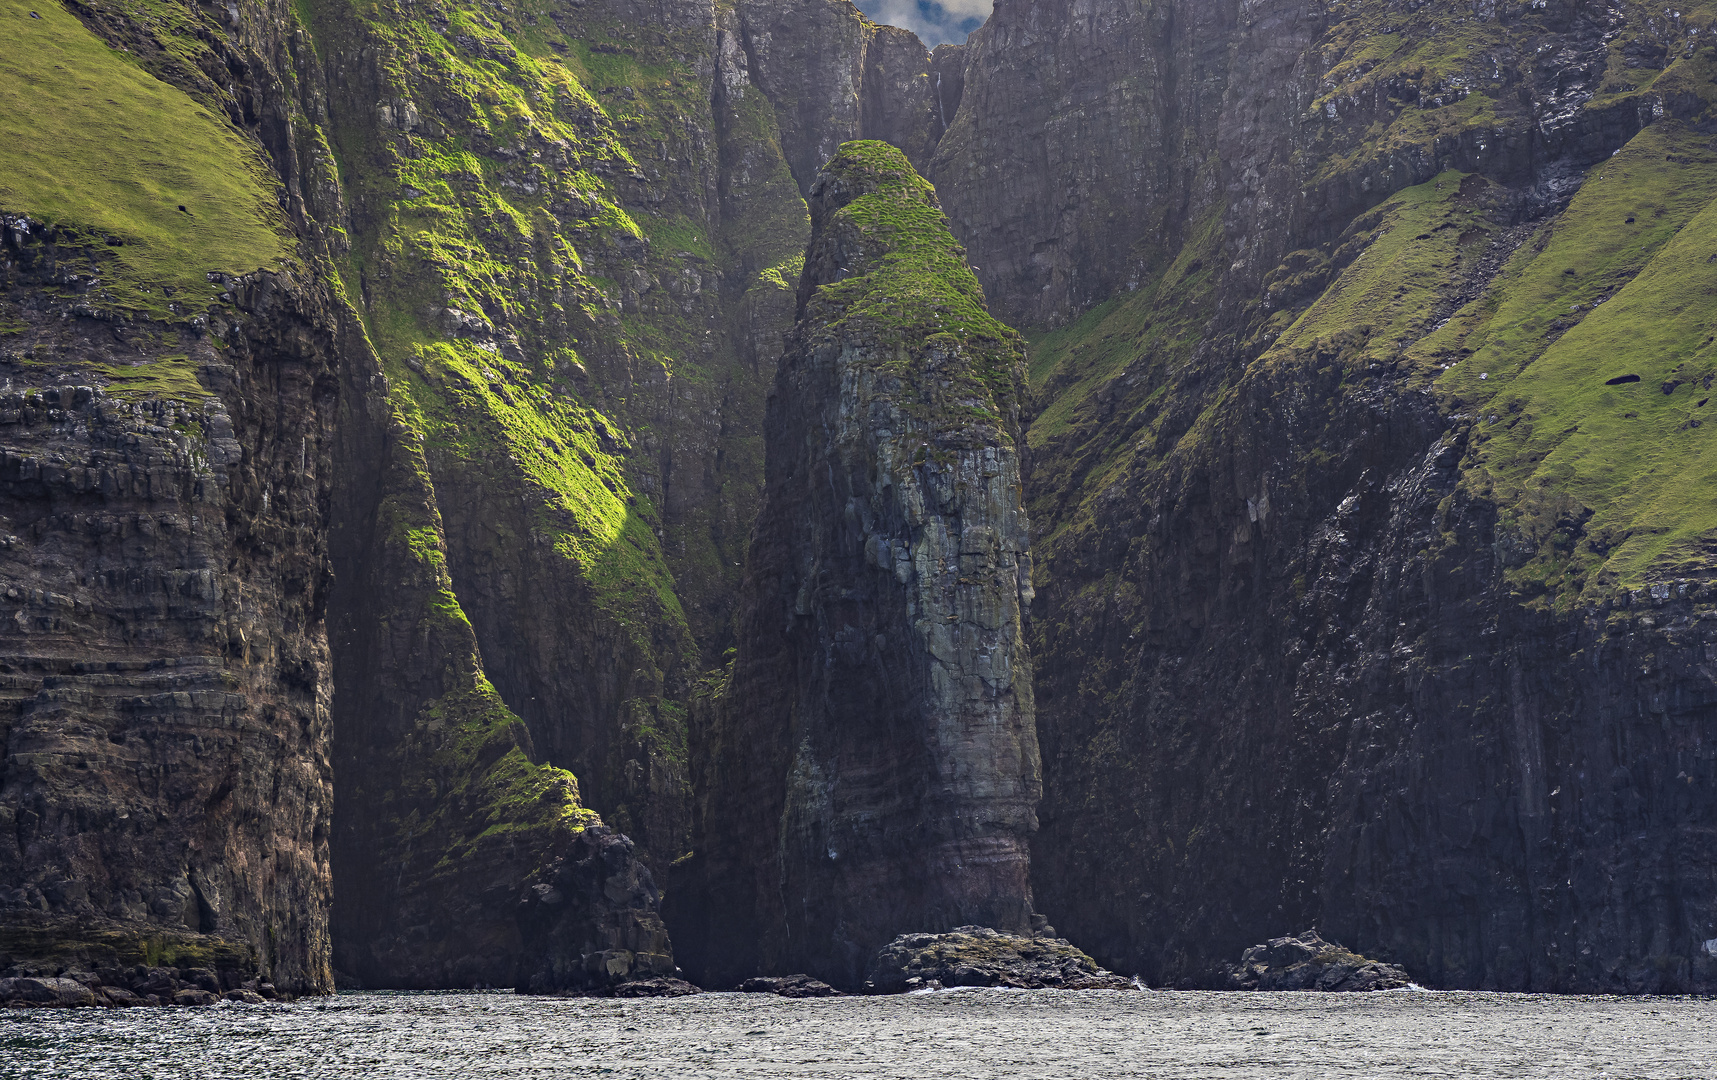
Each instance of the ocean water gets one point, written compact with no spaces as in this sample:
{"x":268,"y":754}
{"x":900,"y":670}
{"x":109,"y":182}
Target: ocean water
{"x":957,"y":1033}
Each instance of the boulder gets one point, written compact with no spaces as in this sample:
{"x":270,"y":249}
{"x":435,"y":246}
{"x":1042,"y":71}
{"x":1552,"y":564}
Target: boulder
{"x":793,"y":986}
{"x":160,"y":982}
{"x":118,"y":997}
{"x":194,"y":997}
{"x":980,"y":956}
{"x":246,"y":997}
{"x":1308,"y":962}
{"x":50,"y":993}
{"x":202,"y":979}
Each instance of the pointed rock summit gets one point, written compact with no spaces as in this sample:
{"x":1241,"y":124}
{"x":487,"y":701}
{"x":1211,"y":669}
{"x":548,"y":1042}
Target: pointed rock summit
{"x":872,"y":760}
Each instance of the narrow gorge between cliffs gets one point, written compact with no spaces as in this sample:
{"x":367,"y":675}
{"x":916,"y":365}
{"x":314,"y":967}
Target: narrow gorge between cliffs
{"x":605,"y":497}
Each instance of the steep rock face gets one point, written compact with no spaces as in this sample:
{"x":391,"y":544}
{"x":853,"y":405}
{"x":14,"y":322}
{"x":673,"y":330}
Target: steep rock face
{"x":166,"y":766}
{"x":164,"y":777}
{"x":565,"y":414}
{"x":872,"y":765}
{"x":1082,"y":149}
{"x":1351,"y":529}
{"x":833,"y":75}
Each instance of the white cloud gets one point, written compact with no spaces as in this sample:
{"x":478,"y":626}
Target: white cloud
{"x":934,"y":23}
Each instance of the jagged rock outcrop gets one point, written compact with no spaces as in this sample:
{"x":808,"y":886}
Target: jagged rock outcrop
{"x":979,"y":956}
{"x":1307,"y":962}
{"x":872,"y":764}
{"x":614,"y":939}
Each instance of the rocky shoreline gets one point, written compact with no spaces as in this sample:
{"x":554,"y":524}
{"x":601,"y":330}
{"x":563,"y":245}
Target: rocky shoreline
{"x":134,"y":987}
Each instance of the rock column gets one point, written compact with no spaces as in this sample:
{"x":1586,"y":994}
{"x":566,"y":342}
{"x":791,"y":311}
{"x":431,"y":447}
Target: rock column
{"x":872,"y":759}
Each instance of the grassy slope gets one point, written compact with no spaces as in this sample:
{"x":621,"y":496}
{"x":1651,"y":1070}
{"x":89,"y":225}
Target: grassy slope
{"x":1611,"y":484}
{"x":92,"y":143}
{"x":1603,"y":484}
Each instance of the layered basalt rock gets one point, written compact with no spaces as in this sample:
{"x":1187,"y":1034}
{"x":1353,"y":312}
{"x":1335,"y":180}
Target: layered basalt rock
{"x":165,"y":787}
{"x":872,"y":763}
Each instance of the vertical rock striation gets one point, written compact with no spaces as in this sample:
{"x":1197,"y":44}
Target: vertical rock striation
{"x":872,"y":764}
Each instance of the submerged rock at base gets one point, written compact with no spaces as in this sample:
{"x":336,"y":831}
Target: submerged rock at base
{"x":792,"y":986}
{"x":979,"y":956}
{"x":1308,"y":962}
{"x":662,"y":987}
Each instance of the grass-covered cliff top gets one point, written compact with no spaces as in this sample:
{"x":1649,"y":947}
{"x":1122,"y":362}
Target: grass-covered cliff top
{"x":166,"y":191}
{"x":910,"y":275}
{"x":883,"y":264}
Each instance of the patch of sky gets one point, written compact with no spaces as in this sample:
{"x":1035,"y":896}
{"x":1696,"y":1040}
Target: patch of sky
{"x":945,"y":23}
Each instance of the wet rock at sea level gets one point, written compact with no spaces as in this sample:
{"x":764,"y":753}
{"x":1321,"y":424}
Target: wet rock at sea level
{"x":1308,"y":962}
{"x":792,"y":986}
{"x":979,"y":956}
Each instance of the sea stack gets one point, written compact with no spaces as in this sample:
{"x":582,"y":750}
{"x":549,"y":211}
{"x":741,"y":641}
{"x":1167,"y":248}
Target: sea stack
{"x":871,"y":764}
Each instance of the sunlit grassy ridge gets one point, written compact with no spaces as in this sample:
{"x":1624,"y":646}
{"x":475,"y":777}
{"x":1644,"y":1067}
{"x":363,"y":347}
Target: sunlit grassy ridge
{"x":94,"y":144}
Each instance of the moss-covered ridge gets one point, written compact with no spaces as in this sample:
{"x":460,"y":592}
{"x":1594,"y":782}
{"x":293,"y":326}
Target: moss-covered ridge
{"x":908,"y":277}
{"x":884,"y":267}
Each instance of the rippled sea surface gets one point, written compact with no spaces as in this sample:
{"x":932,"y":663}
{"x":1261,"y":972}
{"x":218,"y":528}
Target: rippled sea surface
{"x":960,"y":1033}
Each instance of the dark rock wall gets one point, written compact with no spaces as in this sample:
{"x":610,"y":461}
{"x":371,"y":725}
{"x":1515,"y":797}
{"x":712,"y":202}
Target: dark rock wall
{"x":871,"y":765}
{"x":165,"y":780}
{"x":1286,"y":599}
{"x":1083,"y":146}
{"x":832,"y":75}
